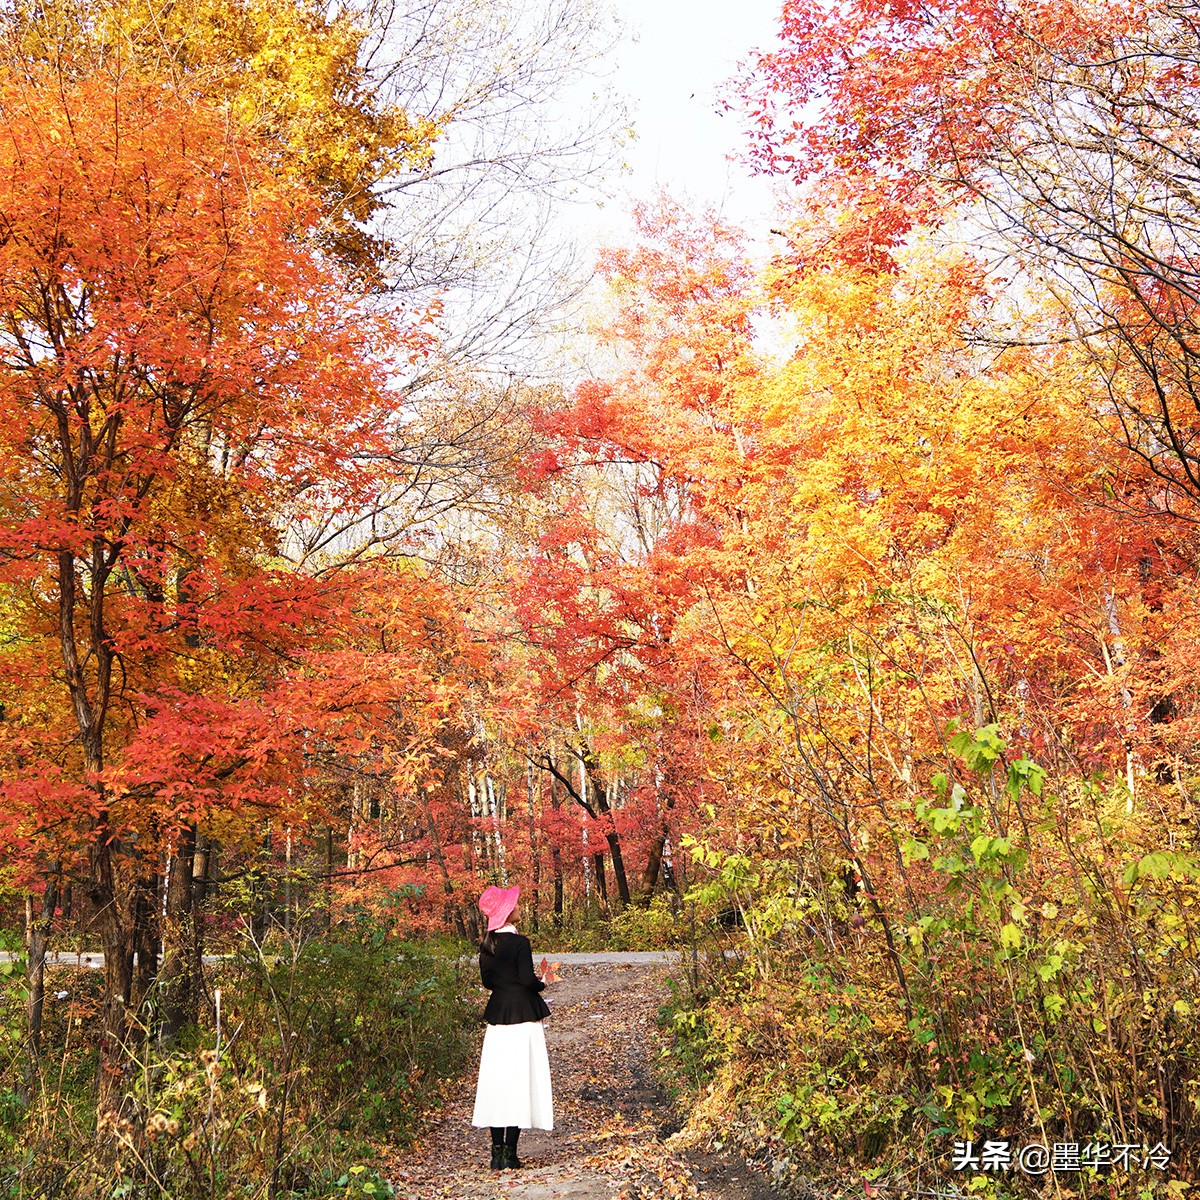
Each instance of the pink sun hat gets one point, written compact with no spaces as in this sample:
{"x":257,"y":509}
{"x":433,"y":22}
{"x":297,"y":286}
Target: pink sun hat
{"x":497,"y":903}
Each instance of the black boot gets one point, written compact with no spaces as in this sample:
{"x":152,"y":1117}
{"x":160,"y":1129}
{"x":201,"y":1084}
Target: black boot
{"x":499,"y":1157}
{"x":511,"y":1161}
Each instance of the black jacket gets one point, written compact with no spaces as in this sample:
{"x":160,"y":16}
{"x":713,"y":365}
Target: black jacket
{"x":514,"y":983}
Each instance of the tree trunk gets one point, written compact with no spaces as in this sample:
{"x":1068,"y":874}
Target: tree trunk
{"x":204,"y":874}
{"x":492,"y":807}
{"x":601,"y":880}
{"x":618,"y":864}
{"x":556,"y":865}
{"x":146,"y":943}
{"x":179,"y":999}
{"x":654,"y":858}
{"x":534,"y":854}
{"x":91,"y":693}
{"x":658,"y":847}
{"x":117,"y":944}
{"x":358,"y":808}
{"x":39,"y":939}
{"x":600,"y":792}
{"x":327,"y":886}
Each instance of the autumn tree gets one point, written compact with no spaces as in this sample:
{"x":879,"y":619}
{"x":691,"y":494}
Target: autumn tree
{"x":352,"y":107}
{"x":291,"y":74}
{"x":178,"y":366}
{"x":1070,"y":131}
{"x":412,"y":128}
{"x":890,"y":559}
{"x":597,"y":591}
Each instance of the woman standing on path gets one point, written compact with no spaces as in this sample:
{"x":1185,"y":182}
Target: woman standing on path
{"x":514,"y":1073}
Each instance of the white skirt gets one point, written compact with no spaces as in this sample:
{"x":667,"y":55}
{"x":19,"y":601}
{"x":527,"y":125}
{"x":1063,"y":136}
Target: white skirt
{"x":514,"y":1078}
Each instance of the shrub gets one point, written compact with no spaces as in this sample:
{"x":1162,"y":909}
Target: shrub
{"x":313,"y":1047}
{"x":1029,"y":978}
{"x":663,"y":924}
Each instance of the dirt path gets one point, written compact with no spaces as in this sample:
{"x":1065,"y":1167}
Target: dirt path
{"x":611,"y":1115}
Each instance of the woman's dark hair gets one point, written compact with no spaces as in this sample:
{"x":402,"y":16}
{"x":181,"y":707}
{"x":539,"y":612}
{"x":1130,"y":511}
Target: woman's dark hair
{"x":488,"y":944}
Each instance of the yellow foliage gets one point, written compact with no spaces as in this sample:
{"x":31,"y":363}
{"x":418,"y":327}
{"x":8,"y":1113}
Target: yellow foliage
{"x":287,"y":70}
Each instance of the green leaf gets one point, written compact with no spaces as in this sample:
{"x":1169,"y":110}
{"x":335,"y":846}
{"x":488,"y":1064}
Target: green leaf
{"x":1050,"y":967}
{"x":943,"y":820}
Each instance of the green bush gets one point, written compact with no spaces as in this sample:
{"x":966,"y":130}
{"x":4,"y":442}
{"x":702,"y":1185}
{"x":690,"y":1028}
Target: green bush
{"x":383,"y":1019}
{"x":692,"y":1056}
{"x":314,"y":1049}
{"x":661,"y":925}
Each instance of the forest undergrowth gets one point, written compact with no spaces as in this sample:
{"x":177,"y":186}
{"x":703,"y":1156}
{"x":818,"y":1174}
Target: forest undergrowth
{"x":1031,"y":988}
{"x":313,"y":1047}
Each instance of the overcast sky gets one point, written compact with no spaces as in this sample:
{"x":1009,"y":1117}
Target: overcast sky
{"x":674,"y":57}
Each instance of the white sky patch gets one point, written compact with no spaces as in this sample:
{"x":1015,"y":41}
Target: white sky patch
{"x":671,"y":63}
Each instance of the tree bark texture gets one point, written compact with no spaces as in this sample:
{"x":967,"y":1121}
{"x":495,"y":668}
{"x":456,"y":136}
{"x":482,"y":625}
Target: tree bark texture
{"x":178,"y":985}
{"x":39,"y":940}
